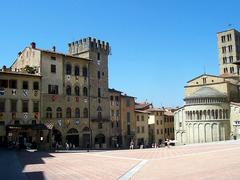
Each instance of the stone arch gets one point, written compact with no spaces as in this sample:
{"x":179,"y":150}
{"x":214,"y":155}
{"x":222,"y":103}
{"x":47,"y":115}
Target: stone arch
{"x":215,"y":132}
{"x":201,"y":133}
{"x":208,"y":133}
{"x":195,"y":133}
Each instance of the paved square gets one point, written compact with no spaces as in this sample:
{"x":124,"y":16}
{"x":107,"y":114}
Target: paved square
{"x":201,"y":161}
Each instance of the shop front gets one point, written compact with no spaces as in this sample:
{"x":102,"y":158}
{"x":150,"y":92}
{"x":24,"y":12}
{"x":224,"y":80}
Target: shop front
{"x":34,"y":136}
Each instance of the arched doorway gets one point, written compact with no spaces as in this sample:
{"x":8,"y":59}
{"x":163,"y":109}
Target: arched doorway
{"x":57,"y":136}
{"x":99,"y":140}
{"x":73,"y":137}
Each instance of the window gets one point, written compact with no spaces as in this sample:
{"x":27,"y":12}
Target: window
{"x":117,"y":113}
{"x":2,"y":106}
{"x":204,"y":80}
{"x":128,"y":117}
{"x":161,"y":131}
{"x":59,"y":112}
{"x":85,"y":113}
{"x":85,"y":72}
{"x":98,"y":56}
{"x":25,"y":85}
{"x":100,"y":125}
{"x":52,"y":89}
{"x":128,"y":129}
{"x":13,"y":84}
{"x":24,"y":106}
{"x":99,"y":92}
{"x":77,"y":113}
{"x":157,"y":122}
{"x":225,"y":70}
{"x":99,"y":115}
{"x":230,"y":59}
{"x":99,"y":75}
{"x":36,"y":106}
{"x":68,"y":69}
{"x":35,"y":86}
{"x":223,"y":49}
{"x":13,"y":105}
{"x":3,"y":83}
{"x":112,"y":112}
{"x":112,"y":124}
{"x":142,"y":118}
{"x":53,"y":68}
{"x":68,"y":90}
{"x":49,"y":112}
{"x":53,"y":58}
{"x":231,"y":69}
{"x":77,"y":91}
{"x":229,"y":37}
{"x":224,"y":60}
{"x":137,"y":118}
{"x":230,"y":48}
{"x":68,"y":112}
{"x":138,"y":129}
{"x":223,"y":38}
{"x":180,"y":124}
{"x":157,"y":131}
{"x":142,"y":129}
{"x":85,"y":91}
{"x":76,"y":71}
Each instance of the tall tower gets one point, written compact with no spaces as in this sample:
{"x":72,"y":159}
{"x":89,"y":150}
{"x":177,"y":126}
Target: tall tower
{"x":97,"y":51}
{"x":229,"y":52}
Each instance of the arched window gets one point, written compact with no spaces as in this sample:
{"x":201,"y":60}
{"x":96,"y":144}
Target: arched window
{"x":49,"y":112}
{"x":212,"y":114}
{"x":68,"y":112}
{"x":76,"y":71}
{"x":216,"y":114}
{"x":77,"y":91}
{"x":85,"y":113}
{"x":59,"y":112}
{"x":85,"y":71}
{"x":68,"y":90}
{"x":68,"y":69}
{"x":85,"y":91}
{"x":77,"y":113}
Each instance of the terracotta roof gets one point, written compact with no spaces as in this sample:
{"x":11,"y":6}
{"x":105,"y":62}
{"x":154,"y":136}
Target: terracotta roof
{"x":155,"y":109}
{"x":142,"y":106}
{"x":168,"y":113}
{"x":140,"y":111}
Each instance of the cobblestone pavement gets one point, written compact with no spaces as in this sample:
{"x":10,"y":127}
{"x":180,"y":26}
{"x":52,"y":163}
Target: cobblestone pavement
{"x":201,"y":161}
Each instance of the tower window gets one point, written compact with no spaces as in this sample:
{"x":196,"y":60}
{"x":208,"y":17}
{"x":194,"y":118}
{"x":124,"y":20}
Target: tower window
{"x":99,"y":92}
{"x":85,"y":72}
{"x":229,"y":37}
{"x":99,"y":75}
{"x":223,"y":39}
{"x":98,"y":56}
{"x":230,"y":48}
{"x":76,"y":71}
{"x":230,"y":59}
{"x":68,"y":69}
{"x":224,"y":49}
{"x":25,"y":85}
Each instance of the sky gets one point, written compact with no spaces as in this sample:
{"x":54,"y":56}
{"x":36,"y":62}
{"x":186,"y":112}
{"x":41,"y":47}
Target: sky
{"x":157,"y":45}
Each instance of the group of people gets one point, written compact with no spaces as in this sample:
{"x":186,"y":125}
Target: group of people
{"x":154,"y":145}
{"x":69,"y":146}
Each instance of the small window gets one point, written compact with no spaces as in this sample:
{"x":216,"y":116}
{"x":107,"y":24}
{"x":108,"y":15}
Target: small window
{"x":35,"y":85}
{"x":100,"y":126}
{"x":230,"y":48}
{"x":36,"y":106}
{"x":85,"y":72}
{"x":85,"y":91}
{"x":68,"y":112}
{"x":24,"y":106}
{"x":68,"y":69}
{"x":98,"y":56}
{"x":59,"y":112}
{"x":77,"y":113}
{"x":223,"y":39}
{"x":99,"y":92}
{"x":53,"y":58}
{"x":25,"y":85}
{"x":49,"y":112}
{"x":229,"y":37}
{"x":13,"y":84}
{"x":77,"y":91}
{"x":137,"y":118}
{"x":99,"y":75}
{"x":68,"y":90}
{"x":13,"y":105}
{"x":223,"y":49}
{"x":3,"y":83}
{"x":2,"y":106}
{"x":76,"y":71}
{"x":53,"y":68}
{"x":52,"y":89}
{"x":85,"y":113}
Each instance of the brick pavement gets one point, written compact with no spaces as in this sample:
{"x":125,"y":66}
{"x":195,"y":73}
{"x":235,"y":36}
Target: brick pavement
{"x":202,"y":161}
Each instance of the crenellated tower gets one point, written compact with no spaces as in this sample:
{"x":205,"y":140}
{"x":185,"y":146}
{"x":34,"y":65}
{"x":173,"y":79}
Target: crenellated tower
{"x":97,"y":51}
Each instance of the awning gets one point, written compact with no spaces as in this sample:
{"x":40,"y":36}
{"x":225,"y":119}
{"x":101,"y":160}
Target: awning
{"x":27,"y":126}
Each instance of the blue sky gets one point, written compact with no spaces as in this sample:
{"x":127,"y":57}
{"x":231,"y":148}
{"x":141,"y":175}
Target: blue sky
{"x":157,"y":45}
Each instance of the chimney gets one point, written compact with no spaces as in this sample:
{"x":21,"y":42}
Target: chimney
{"x":54,"y":48}
{"x":33,"y":45}
{"x":19,"y":53}
{"x":4,"y":68}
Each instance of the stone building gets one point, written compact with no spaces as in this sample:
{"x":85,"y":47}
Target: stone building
{"x":169,"y":124}
{"x":20,"y":101}
{"x":211,"y":111}
{"x":74,"y":91}
{"x":142,"y":134}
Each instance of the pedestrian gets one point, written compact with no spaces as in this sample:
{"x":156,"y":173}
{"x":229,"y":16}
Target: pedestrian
{"x":168,"y":143}
{"x":67,"y":146}
{"x":131,"y":144}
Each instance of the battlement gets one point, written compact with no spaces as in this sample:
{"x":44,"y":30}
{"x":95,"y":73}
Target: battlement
{"x":88,"y":44}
